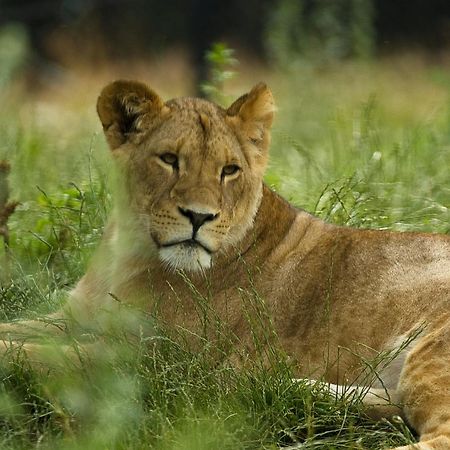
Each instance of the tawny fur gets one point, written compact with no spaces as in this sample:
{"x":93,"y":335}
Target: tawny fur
{"x":336,"y":296}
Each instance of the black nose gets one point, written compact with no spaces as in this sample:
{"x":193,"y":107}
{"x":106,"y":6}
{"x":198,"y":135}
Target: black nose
{"x":197,"y":219}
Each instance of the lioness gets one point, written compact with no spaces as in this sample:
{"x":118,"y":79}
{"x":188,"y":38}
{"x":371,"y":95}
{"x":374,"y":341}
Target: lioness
{"x":193,"y":205}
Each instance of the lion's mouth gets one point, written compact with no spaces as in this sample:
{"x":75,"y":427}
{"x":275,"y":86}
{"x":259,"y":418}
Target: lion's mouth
{"x":189,"y":243}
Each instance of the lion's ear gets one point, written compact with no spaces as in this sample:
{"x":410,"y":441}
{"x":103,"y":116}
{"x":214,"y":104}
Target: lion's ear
{"x":125,"y":109}
{"x":255,"y":113}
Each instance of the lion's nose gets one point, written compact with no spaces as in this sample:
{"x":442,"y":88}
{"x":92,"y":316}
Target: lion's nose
{"x":197,"y":219}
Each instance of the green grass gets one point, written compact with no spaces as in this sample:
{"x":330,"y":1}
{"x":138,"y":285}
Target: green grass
{"x":361,"y":145}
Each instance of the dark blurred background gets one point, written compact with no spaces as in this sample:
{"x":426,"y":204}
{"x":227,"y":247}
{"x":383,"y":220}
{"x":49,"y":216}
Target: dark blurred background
{"x":60,"y":32}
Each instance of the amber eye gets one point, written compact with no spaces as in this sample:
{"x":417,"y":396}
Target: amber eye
{"x":230,"y":170}
{"x":170,"y":158}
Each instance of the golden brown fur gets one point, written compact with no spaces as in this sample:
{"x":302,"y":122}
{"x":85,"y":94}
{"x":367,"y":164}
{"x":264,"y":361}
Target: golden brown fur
{"x":336,"y":296}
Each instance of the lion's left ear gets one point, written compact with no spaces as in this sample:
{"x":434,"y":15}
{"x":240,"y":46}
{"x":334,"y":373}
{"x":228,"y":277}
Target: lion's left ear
{"x":126,"y":108}
{"x":254,"y":114}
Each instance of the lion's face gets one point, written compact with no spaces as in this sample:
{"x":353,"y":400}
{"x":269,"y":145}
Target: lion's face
{"x":194,"y":169}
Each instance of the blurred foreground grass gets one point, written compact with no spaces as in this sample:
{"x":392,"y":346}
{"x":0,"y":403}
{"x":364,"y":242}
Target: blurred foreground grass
{"x":365,"y":145}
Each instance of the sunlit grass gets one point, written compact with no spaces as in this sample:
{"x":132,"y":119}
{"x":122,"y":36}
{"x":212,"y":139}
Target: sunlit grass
{"x":361,"y":145}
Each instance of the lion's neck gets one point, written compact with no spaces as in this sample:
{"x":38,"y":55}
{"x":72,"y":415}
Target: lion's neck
{"x":272,"y":222}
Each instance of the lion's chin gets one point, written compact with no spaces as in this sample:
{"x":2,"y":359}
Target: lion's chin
{"x":186,"y":257}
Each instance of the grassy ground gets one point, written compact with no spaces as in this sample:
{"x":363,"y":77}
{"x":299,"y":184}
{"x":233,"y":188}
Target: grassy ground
{"x":366,"y":145}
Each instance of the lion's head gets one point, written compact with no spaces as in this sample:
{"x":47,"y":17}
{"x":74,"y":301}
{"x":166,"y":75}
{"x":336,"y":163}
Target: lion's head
{"x":194,"y":170}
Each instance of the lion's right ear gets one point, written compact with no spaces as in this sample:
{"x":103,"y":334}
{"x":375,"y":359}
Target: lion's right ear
{"x":126,"y":109}
{"x":253,"y":114}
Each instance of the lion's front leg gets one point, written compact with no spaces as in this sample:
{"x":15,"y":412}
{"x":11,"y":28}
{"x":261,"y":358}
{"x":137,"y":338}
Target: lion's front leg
{"x":56,"y":324}
{"x":45,"y":342}
{"x":54,"y":354}
{"x":39,"y":356}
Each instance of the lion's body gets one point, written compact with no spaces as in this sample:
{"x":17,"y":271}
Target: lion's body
{"x":326,"y":287}
{"x":193,"y":201}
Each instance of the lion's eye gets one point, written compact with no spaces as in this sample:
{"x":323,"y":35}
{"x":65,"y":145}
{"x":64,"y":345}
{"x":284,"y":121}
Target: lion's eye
{"x":230,"y":170}
{"x":170,"y":158}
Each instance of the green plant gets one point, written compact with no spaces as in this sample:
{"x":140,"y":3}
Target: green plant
{"x":63,"y":224}
{"x":221,"y":61}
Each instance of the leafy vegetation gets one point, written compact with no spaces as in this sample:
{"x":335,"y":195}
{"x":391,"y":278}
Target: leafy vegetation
{"x":220,"y":61}
{"x":366,"y":145}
